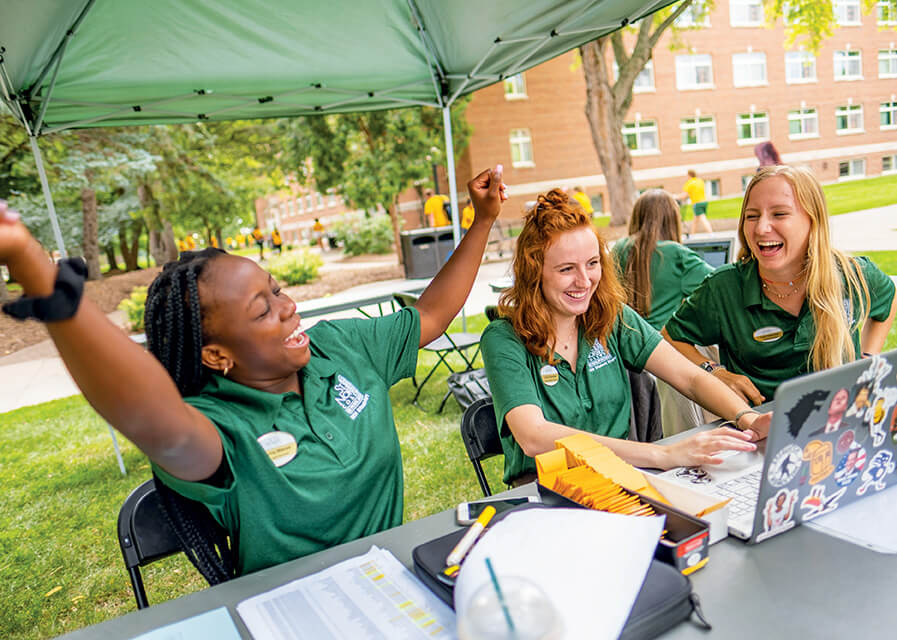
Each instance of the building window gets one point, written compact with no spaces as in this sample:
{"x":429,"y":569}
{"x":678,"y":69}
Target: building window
{"x":800,"y":66}
{"x":852,"y":168}
{"x":887,"y":63}
{"x":749,"y":69}
{"x":746,"y":180}
{"x":694,"y":72}
{"x":515,"y":87}
{"x":887,"y":13}
{"x":695,"y":16}
{"x":803,"y":123}
{"x":746,"y":13}
{"x":331,"y":199}
{"x":644,"y":81}
{"x":713,"y":189}
{"x":889,"y":164}
{"x":849,"y":119}
{"x":641,"y":137}
{"x":698,"y":133}
{"x":752,"y":127}
{"x":847,"y":12}
{"x":320,"y":198}
{"x":521,"y":148}
{"x":888,"y":115}
{"x":309,"y":202}
{"x":848,"y":65}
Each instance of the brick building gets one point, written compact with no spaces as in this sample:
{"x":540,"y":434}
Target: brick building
{"x":705,"y":106}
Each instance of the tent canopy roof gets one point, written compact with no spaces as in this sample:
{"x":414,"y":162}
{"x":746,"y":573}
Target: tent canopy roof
{"x":83,"y":63}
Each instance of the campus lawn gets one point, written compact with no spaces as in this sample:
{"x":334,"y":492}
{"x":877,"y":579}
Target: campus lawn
{"x":885,"y":260}
{"x":59,"y":555}
{"x":842,"y":197}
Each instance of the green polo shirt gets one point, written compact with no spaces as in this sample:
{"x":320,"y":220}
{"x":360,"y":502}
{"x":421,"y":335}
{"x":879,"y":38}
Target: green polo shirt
{"x":595,"y":397}
{"x":675,"y":272}
{"x":756,"y":337}
{"x":345,"y":481}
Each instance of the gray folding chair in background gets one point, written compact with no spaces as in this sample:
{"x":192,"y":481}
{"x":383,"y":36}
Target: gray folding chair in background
{"x":443,"y":347}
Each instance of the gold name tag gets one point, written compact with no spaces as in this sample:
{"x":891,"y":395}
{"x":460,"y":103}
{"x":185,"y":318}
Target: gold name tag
{"x":768,"y":334}
{"x":279,"y":445}
{"x":549,"y":375}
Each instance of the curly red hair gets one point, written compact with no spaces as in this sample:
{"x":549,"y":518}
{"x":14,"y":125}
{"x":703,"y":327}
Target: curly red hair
{"x":524,"y":303}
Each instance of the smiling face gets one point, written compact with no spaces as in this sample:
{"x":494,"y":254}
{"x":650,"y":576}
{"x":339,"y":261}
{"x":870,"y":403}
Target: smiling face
{"x":252,"y":324}
{"x":571,"y":272}
{"x":776,"y":229}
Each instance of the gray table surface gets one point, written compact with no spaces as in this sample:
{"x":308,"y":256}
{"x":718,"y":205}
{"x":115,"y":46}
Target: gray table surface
{"x":801,"y":584}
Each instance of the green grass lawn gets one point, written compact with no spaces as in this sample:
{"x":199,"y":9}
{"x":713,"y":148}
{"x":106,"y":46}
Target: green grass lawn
{"x":842,"y":197}
{"x":59,"y":554}
{"x":886,"y":260}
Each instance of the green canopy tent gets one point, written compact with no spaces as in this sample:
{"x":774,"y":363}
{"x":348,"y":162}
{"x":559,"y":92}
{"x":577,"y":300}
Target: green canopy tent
{"x":88,"y":63}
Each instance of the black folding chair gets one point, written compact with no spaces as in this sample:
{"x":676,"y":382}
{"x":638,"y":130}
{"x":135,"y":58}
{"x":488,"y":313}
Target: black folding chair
{"x":155,"y":522}
{"x":491,"y":311}
{"x":443,"y":346}
{"x":481,"y":439}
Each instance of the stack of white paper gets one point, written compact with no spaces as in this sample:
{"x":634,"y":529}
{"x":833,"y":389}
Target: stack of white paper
{"x":590,"y":564}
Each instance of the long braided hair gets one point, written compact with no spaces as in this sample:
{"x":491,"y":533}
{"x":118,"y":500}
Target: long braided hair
{"x":173,"y":319}
{"x":173,"y":322}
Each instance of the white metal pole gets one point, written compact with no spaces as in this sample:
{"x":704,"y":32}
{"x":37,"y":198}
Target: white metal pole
{"x":48,"y":196}
{"x":453,"y":188}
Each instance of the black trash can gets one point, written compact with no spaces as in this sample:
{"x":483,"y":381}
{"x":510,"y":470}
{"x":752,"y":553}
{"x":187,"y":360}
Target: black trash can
{"x":445,"y":244}
{"x":419,"y":248}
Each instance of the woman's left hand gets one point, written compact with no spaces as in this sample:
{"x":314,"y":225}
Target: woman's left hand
{"x":757,"y":423}
{"x":704,"y":447}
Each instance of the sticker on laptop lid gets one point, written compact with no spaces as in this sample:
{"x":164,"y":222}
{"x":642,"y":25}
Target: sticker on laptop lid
{"x":819,"y":454}
{"x":845,"y":441}
{"x":785,"y":465}
{"x":279,"y":445}
{"x":549,"y":375}
{"x":778,"y":512}
{"x":850,"y":466}
{"x":798,"y":414}
{"x":768,"y":334}
{"x":884,"y":400}
{"x":817,"y":503}
{"x":881,"y":465}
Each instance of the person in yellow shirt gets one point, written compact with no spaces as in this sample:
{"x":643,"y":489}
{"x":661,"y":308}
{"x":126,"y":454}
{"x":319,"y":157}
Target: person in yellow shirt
{"x":182,"y":246}
{"x":467,"y":215}
{"x":580,"y":196}
{"x":318,"y":235}
{"x":693,"y":190}
{"x":259,"y":238}
{"x":213,"y":241}
{"x":435,"y":209}
{"x":190,"y":242}
{"x":276,"y":241}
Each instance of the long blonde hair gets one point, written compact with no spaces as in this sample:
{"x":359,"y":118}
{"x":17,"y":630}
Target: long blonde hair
{"x":828,"y":271}
{"x":524,"y":303}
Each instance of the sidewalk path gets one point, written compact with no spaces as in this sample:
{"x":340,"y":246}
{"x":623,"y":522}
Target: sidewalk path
{"x":36,"y":374}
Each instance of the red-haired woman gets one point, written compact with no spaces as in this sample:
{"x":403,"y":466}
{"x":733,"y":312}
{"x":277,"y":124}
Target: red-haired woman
{"x":557,"y":359}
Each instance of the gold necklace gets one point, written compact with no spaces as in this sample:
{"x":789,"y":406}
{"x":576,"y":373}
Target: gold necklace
{"x":790,"y":283}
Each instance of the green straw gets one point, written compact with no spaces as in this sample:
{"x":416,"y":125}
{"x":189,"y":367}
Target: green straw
{"x":501,"y":598}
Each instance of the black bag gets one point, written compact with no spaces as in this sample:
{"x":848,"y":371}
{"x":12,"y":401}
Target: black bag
{"x":469,"y":386}
{"x":665,"y":599}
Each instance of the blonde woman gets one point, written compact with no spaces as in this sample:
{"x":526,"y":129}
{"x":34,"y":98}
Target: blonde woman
{"x":793,"y":303}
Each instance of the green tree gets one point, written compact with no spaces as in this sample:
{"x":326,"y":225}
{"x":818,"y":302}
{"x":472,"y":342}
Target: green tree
{"x":810,"y":22}
{"x":608,"y":98}
{"x":369,"y":158}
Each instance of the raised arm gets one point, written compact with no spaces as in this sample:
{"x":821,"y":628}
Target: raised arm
{"x":443,"y":298}
{"x":124,"y":383}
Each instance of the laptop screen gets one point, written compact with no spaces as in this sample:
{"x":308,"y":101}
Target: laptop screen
{"x":714,"y":252}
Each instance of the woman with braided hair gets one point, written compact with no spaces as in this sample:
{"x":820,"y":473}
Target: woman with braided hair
{"x":286,"y":436}
{"x":558,"y":357}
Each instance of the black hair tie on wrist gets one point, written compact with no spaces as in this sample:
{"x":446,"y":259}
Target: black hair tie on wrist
{"x":62,"y":304}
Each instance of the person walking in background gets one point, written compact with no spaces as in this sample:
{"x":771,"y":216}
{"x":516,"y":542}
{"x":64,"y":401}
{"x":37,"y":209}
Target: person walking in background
{"x":767,"y":155}
{"x":584,"y":201}
{"x":276,"y":241}
{"x":317,"y":234}
{"x":259,"y":238}
{"x":435,"y":209}
{"x":467,"y":215}
{"x":693,"y":190}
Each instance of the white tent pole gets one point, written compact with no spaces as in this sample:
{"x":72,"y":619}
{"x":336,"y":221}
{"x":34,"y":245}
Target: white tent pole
{"x":452,"y":185}
{"x":38,"y":160}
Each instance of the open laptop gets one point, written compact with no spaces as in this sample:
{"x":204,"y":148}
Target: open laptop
{"x":833,"y":440}
{"x":715,"y":252}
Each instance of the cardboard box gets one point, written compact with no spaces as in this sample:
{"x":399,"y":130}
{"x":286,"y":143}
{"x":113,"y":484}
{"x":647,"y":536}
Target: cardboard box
{"x":712,"y":510}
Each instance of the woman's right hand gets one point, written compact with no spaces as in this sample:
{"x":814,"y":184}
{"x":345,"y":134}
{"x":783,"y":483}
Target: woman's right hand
{"x":742,"y":385}
{"x":704,"y":447}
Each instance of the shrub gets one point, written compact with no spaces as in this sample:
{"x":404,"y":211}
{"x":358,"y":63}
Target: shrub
{"x":295,"y":268}
{"x":367,"y":235}
{"x":133,"y":307}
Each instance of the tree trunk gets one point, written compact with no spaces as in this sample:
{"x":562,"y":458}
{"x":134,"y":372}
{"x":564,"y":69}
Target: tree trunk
{"x":606,"y":126}
{"x":420,"y":210}
{"x":396,"y":228}
{"x":111,"y":258}
{"x":4,"y":292}
{"x":89,"y":243}
{"x":162,"y":246}
{"x":130,"y":249}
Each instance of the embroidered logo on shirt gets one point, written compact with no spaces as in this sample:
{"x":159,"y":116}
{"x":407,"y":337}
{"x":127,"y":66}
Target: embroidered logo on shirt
{"x":599,"y":357}
{"x":349,"y":397}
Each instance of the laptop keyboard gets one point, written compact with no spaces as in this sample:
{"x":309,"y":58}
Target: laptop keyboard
{"x":743,"y":492}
